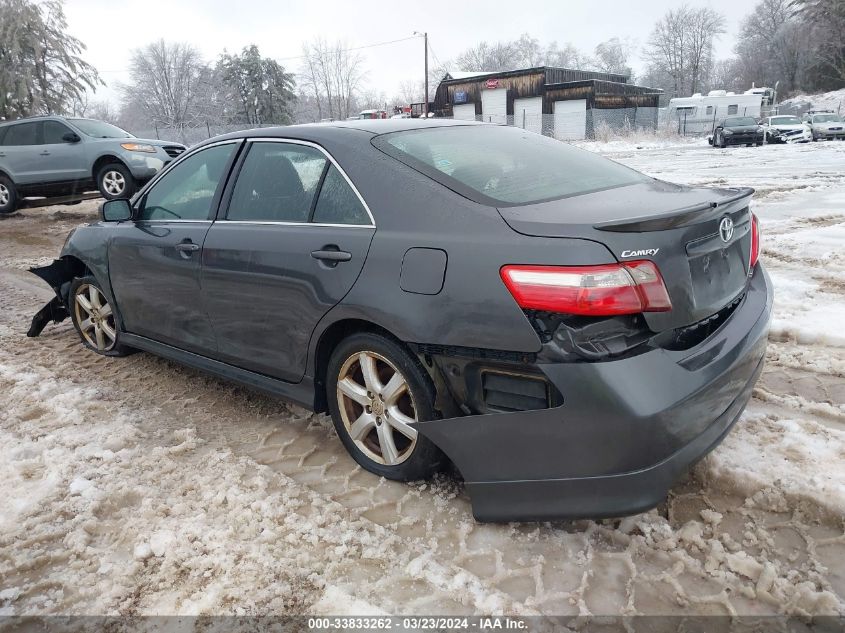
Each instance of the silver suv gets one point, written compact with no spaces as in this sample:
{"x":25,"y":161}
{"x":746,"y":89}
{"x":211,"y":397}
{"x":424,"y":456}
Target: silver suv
{"x":57,"y":156}
{"x":825,"y":124}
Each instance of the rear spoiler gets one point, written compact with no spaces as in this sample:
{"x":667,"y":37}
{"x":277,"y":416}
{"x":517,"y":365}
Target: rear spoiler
{"x":673,"y":219}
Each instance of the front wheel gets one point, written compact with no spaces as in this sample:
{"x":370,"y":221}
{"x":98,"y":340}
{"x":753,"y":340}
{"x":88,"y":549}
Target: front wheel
{"x":115,"y":181}
{"x":94,"y":318}
{"x":8,"y":196}
{"x":377,"y":391}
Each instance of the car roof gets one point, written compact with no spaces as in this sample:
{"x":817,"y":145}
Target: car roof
{"x":373,"y":126}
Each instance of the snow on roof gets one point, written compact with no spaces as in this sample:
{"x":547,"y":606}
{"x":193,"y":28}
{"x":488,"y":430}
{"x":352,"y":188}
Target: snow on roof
{"x":462,"y":74}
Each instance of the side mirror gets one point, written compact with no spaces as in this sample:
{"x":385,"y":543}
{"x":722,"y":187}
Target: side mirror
{"x":71,"y":137}
{"x":116,"y":210}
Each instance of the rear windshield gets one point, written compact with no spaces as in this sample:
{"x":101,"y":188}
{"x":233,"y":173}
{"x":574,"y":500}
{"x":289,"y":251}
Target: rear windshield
{"x":504,"y":166}
{"x":739,"y":121}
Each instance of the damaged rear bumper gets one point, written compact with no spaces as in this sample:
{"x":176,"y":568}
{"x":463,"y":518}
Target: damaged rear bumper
{"x":58,"y":275}
{"x":627,"y":429}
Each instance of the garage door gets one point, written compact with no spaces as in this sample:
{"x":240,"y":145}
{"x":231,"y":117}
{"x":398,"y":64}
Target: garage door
{"x":570,"y":119}
{"x":528,"y":113}
{"x":465,"y":111}
{"x":494,"y":105}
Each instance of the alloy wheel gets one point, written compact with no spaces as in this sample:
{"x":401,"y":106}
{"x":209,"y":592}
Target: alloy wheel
{"x":377,"y":408}
{"x":4,"y":195}
{"x":114,"y":183}
{"x":95,"y":318}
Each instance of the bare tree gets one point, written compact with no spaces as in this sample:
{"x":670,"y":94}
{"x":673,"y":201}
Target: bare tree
{"x":170,"y":81}
{"x":489,"y":57}
{"x":612,"y":56}
{"x":411,"y":91}
{"x":681,"y":47}
{"x":334,"y":75}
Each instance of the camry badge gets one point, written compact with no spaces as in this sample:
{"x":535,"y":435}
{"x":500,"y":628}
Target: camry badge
{"x":726,"y":229}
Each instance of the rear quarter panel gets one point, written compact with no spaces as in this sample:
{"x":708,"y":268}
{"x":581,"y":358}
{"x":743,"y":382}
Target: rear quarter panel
{"x":474,"y":308}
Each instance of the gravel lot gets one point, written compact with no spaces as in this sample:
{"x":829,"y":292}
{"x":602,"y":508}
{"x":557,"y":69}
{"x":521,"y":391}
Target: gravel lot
{"x":136,"y":486}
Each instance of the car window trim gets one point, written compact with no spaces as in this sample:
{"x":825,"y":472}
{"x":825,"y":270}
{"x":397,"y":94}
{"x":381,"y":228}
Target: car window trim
{"x":223,"y":209}
{"x":138,"y":205}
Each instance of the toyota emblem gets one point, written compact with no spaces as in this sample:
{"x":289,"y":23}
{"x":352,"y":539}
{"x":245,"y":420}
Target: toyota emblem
{"x":726,"y":229}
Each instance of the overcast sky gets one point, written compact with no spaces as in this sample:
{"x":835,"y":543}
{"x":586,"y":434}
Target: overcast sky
{"x":111,"y":30}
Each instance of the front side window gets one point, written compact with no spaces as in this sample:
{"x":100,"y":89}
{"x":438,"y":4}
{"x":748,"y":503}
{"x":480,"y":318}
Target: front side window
{"x":277,"y":183}
{"x":54,"y":132}
{"x":22,"y":134}
{"x":187,"y":191}
{"x":503,"y":166}
{"x":338,"y":203}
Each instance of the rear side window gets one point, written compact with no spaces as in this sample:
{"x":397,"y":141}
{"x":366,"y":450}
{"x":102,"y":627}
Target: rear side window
{"x":503,"y":166}
{"x":22,"y":134}
{"x":3,"y":134}
{"x":277,"y":183}
{"x":338,"y":203}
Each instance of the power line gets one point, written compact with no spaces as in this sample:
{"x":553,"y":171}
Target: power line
{"x":343,"y":50}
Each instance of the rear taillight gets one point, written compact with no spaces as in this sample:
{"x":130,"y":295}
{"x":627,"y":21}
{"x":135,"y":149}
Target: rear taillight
{"x":605,"y":290}
{"x":755,"y":243}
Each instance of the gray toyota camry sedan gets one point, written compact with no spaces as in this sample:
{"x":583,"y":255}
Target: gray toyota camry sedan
{"x":570,"y":334}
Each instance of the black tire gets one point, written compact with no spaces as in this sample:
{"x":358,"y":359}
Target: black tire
{"x":421,"y":459}
{"x":8,"y":196}
{"x":90,"y":338}
{"x":109,"y":178}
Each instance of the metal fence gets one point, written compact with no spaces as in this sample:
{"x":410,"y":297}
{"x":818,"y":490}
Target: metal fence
{"x":606,"y":124}
{"x":191,"y":135}
{"x":587,"y":124}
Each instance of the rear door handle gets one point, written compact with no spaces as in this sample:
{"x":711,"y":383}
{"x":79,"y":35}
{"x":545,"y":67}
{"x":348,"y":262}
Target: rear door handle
{"x":45,"y":153}
{"x":334,"y":256}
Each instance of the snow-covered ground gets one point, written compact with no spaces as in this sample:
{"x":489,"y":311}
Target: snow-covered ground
{"x":134,"y":486}
{"x":833,"y":100}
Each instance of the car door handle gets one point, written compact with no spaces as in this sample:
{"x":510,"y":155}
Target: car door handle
{"x":329,"y":255}
{"x":186,"y":248}
{"x":45,"y":153}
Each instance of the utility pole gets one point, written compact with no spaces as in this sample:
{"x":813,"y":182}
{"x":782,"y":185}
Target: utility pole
{"x":425,"y":107}
{"x":425,"y":99}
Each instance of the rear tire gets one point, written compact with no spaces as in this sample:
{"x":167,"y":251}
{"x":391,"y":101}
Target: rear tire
{"x":383,"y":389}
{"x":8,"y":196}
{"x":115,"y":181}
{"x":94,"y":317}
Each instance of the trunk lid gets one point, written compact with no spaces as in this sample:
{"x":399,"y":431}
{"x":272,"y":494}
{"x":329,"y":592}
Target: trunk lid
{"x":676,"y":227}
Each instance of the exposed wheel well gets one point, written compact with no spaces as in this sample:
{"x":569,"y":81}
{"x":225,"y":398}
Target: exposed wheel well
{"x":329,"y":340}
{"x":75,"y":267}
{"x":102,"y":161}
{"x":4,"y":174}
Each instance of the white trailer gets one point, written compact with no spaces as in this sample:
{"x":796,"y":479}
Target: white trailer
{"x":699,"y":114}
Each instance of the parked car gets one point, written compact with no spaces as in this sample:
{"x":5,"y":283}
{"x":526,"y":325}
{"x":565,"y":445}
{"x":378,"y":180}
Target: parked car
{"x":825,"y":124}
{"x":737,"y":130}
{"x":786,"y":128}
{"x":58,"y":156}
{"x":570,"y":333}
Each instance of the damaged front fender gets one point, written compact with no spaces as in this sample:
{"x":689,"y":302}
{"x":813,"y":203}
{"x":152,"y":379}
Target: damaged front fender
{"x":58,"y":275}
